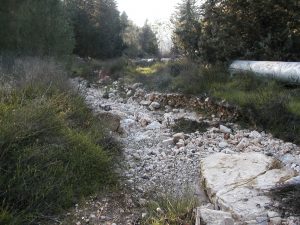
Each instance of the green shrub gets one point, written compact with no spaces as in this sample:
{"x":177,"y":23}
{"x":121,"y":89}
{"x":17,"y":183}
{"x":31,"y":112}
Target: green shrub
{"x":89,"y":68}
{"x":52,"y":150}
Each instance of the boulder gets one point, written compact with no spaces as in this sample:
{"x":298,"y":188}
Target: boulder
{"x":236,"y":183}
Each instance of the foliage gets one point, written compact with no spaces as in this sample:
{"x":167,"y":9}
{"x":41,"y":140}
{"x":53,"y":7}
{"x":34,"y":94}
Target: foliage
{"x":33,"y":27}
{"x":148,"y":41}
{"x":139,"y":42}
{"x":265,"y":30}
{"x":89,"y":69}
{"x":238,"y":29}
{"x":97,"y":28}
{"x":50,"y":154}
{"x":187,"y":29}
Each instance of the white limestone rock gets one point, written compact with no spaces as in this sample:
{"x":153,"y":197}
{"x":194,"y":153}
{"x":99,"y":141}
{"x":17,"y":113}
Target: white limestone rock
{"x":177,"y":137}
{"x":225,"y":129}
{"x":145,"y":103}
{"x":214,"y":217}
{"x":154,"y":126}
{"x":236,"y":182}
{"x":154,"y":106}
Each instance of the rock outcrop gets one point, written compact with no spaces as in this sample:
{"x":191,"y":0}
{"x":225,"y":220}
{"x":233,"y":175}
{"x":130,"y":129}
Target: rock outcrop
{"x":237,"y":183}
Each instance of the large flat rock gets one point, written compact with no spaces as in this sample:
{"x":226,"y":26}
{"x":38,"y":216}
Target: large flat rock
{"x":236,"y":183}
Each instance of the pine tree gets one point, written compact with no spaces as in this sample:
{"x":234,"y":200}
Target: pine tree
{"x":148,"y":41}
{"x":97,"y":28}
{"x":257,"y":30}
{"x":35,"y":27}
{"x":187,"y":30}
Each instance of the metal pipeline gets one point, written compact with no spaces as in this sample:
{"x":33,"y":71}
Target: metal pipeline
{"x":285,"y":71}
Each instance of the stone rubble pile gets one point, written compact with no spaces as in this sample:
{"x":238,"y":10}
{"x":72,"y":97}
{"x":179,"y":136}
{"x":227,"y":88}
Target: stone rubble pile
{"x":159,"y":160}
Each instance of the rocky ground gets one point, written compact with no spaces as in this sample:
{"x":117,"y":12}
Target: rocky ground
{"x":159,"y":160}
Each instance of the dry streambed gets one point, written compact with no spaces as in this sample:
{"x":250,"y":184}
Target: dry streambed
{"x":233,"y":166}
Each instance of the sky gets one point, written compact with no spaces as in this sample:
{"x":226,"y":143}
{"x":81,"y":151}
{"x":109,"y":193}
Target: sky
{"x":153,"y":10}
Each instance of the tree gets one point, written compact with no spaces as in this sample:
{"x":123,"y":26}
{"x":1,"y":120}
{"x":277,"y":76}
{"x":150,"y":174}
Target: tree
{"x":130,"y":36}
{"x":187,"y":29}
{"x":148,"y":41}
{"x":35,"y":27}
{"x":97,"y":28}
{"x":256,"y":30}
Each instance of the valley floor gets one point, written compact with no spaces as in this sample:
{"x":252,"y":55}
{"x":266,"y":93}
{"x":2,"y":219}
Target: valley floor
{"x":159,"y":160}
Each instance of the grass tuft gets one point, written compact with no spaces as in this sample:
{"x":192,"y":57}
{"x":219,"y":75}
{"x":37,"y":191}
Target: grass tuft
{"x":288,"y":199}
{"x":172,"y":210}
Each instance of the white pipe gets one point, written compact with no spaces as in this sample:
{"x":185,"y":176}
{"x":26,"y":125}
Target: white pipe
{"x":285,"y":71}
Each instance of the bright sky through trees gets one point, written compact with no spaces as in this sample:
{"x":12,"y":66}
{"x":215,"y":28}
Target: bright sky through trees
{"x":153,"y":10}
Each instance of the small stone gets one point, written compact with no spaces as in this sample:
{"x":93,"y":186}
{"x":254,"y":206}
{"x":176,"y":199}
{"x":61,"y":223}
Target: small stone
{"x":263,"y":220}
{"x":107,"y":108}
{"x":159,"y":210}
{"x":145,"y":103}
{"x":142,"y":201}
{"x":274,"y":217}
{"x":129,"y":93}
{"x":227,"y":151}
{"x":177,"y":137}
{"x":243,"y":144}
{"x":154,"y":106}
{"x":223,"y":144}
{"x":111,"y":95}
{"x":168,"y":142}
{"x":92,"y":216}
{"x":180,"y":143}
{"x":144,"y":215}
{"x":154,"y":126}
{"x":225,"y":129}
{"x":209,"y":216}
{"x":136,"y":85}
{"x":146,"y":177}
{"x":255,"y":134}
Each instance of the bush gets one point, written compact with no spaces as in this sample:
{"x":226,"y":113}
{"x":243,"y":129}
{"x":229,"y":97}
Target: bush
{"x":90,"y":68}
{"x":50,"y":154}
